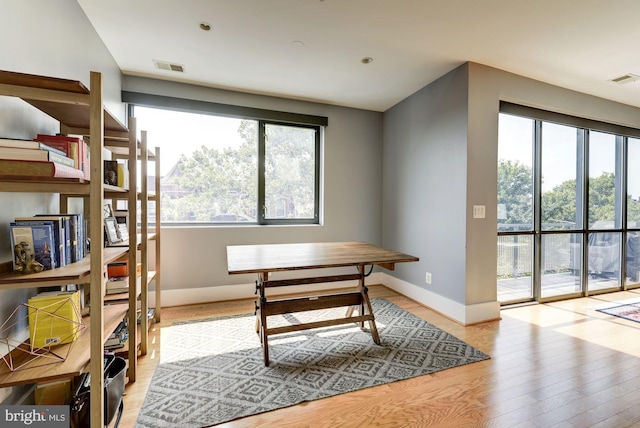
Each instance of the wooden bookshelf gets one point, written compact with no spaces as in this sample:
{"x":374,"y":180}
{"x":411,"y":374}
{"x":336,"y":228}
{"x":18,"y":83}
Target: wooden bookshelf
{"x":74,"y":273}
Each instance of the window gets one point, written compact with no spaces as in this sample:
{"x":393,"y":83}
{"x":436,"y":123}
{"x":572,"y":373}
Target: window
{"x":234,"y":170}
{"x":565,"y":228}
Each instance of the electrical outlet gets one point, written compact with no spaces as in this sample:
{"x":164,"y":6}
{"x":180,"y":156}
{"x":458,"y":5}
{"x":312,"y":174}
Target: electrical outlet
{"x":428,"y":278}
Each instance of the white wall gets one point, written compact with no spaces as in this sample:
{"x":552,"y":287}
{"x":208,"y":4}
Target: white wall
{"x":51,"y":38}
{"x":69,"y":51}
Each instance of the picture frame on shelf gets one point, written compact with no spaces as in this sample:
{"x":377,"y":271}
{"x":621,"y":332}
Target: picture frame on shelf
{"x":111,"y":231}
{"x":107,"y":211}
{"x":123,"y":231}
{"x":122,"y":220}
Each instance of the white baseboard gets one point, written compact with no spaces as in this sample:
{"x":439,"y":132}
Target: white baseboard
{"x":222,"y":293}
{"x":464,"y":314}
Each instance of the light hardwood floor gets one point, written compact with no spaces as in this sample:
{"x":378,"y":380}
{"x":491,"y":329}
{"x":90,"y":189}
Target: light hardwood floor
{"x":554,"y":365}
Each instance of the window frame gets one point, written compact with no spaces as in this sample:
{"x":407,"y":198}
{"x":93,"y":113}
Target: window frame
{"x":263,"y":118}
{"x":262,"y":220}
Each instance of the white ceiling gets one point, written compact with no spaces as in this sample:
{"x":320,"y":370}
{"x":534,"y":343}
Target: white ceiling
{"x":576,"y":44}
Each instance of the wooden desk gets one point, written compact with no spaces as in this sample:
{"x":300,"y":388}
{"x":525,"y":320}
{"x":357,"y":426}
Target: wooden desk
{"x":264,"y":259}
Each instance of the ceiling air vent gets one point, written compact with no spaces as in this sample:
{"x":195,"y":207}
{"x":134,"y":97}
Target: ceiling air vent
{"x":163,"y":65}
{"x":627,"y":78}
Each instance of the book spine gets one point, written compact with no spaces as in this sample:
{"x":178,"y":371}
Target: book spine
{"x":43,"y":146}
{"x":123,"y":175}
{"x":83,"y":153}
{"x":61,"y":159}
{"x":74,"y":238}
{"x":68,"y":240}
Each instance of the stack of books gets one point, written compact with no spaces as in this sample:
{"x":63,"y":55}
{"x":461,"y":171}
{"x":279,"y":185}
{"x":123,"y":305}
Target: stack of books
{"x":73,"y":147}
{"x":117,"y":285}
{"x":151,"y":313}
{"x":29,"y":159}
{"x":119,"y":337}
{"x":55,"y":240}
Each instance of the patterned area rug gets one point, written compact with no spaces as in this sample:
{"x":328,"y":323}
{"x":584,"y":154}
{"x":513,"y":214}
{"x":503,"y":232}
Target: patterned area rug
{"x":212,"y":371}
{"x":630,"y":311}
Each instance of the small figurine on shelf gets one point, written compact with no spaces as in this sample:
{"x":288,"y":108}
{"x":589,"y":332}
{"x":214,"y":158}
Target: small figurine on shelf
{"x":25,"y":261}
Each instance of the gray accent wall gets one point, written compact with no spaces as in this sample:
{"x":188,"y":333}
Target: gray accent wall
{"x":425,"y":183}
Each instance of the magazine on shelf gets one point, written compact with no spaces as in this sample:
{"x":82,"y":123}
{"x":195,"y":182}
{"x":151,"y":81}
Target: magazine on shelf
{"x":66,"y":222}
{"x":37,"y":240}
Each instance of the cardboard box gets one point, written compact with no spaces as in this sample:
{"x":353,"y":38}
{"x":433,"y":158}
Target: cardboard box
{"x":54,"y":318}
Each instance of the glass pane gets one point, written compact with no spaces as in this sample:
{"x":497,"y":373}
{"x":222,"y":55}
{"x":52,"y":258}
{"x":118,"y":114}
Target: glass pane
{"x":633,"y":184}
{"x":561,"y":255}
{"x":560,"y":188}
{"x":633,"y":258}
{"x":602,"y":180}
{"x":289,"y":172}
{"x":604,"y":260}
{"x":515,"y":265}
{"x":209,"y":165}
{"x":515,"y":173}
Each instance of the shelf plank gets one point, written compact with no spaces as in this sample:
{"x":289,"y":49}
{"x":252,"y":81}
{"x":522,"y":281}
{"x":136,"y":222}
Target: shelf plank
{"x":65,"y":100}
{"x":125,"y":243}
{"x":41,"y":82}
{"x":68,"y":186}
{"x":75,"y":363}
{"x":74,"y":273}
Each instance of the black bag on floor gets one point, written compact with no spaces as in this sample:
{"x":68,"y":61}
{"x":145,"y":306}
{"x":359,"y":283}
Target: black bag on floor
{"x":115,"y":369}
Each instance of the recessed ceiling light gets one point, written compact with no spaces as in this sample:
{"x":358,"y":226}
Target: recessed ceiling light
{"x":205,"y":26}
{"x":297,"y":44}
{"x":366,"y":60}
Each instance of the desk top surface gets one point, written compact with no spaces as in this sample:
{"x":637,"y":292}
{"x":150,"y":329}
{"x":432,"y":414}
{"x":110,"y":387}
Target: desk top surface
{"x":279,"y":257}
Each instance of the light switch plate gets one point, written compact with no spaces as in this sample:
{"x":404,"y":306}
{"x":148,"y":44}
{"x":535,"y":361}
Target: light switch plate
{"x":478,"y":211}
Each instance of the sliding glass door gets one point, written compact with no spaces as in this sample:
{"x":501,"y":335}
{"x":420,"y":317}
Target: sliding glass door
{"x":515,"y":209}
{"x":562,"y":217}
{"x":561,"y":188}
